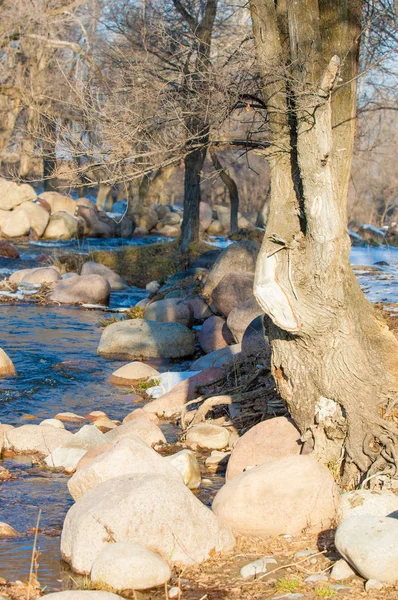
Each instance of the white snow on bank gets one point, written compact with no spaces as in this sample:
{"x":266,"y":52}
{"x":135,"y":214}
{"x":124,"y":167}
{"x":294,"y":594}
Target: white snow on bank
{"x":369,"y":255}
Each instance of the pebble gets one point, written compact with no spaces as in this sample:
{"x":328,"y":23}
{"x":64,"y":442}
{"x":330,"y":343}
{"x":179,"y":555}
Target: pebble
{"x":217,"y":459}
{"x":316,"y":577}
{"x":373,"y":585}
{"x":174,"y":592}
{"x":337,"y":587}
{"x":258,"y":566}
{"x":69,"y":416}
{"x":341,"y":571}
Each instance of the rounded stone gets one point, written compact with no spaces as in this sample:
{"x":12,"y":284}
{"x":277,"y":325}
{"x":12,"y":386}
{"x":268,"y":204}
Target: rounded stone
{"x":209,"y":436}
{"x":89,"y":289}
{"x":133,"y":373}
{"x":129,"y":566}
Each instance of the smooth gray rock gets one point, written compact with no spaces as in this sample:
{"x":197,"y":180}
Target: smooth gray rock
{"x":142,"y":339}
{"x":341,"y":571}
{"x":88,"y":289}
{"x":257,"y":567}
{"x":370,"y":545}
{"x":169,"y":310}
{"x":240,"y":317}
{"x":238,"y":257}
{"x":219,"y":358}
{"x":373,"y":585}
{"x":231,"y":291}
{"x":114,"y":280}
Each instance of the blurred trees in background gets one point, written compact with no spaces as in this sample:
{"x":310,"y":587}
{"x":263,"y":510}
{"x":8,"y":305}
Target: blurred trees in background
{"x":134,"y":94}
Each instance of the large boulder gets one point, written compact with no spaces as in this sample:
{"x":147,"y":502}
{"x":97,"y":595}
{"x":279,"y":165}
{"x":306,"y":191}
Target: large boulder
{"x":89,"y":289}
{"x":129,"y":566}
{"x":13,"y":194}
{"x":93,"y":268}
{"x":214,"y":335}
{"x":59,"y":202}
{"x":142,"y":339}
{"x":38,"y":217}
{"x":63,"y":226}
{"x":172,"y":403}
{"x":146,"y":218}
{"x":126,"y":457}
{"x":40,"y":439}
{"x":171,"y":310}
{"x":124,"y":227}
{"x":239,"y":257}
{"x":41,"y":275}
{"x":370,"y":545}
{"x":265,"y":441}
{"x":16,"y":224}
{"x":231,"y":291}
{"x":149,"y":509}
{"x":287,"y":495}
{"x":133,"y":373}
{"x":199,"y":308}
{"x":6,"y":366}
{"x":215,"y":228}
{"x":240,"y":317}
{"x":68,"y":455}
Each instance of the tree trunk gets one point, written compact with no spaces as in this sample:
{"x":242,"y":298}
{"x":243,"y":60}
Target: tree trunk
{"x":151,"y":188}
{"x":9,"y":111}
{"x":190,"y":225}
{"x":49,"y":141}
{"x":232,"y":190}
{"x":334,"y":360}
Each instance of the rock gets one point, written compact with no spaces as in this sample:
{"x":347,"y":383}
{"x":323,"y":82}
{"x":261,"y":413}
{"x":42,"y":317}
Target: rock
{"x":53,"y":423}
{"x":83,"y":595}
{"x":96,"y":414}
{"x":105,"y":424}
{"x":373,"y":585}
{"x":239,"y":257}
{"x":40,"y":276}
{"x":369,"y":502}
{"x":186,"y":464}
{"x":207,"y":435}
{"x":114,"y":280}
{"x":370,"y":545}
{"x":87,"y":203}
{"x":88,"y":289}
{"x":255,"y":341}
{"x":63,"y":226}
{"x":58,"y":202}
{"x":205,"y":215}
{"x":146,"y":218}
{"x":13,"y":194}
{"x":133,"y":373}
{"x":30,"y":439}
{"x":152,"y":286}
{"x":341,"y":571}
{"x":170,"y":231}
{"x":287,"y":597}
{"x":214,"y":335}
{"x":38,"y":217}
{"x":16,"y":224}
{"x":124,"y":227}
{"x":219,"y":358}
{"x":126,"y":457}
{"x":240,"y":318}
{"x":172,"y":218}
{"x":287,"y":495}
{"x":171,"y":310}
{"x":217,"y":460}
{"x":68,"y":455}
{"x":91,"y":454}
{"x":142,"y":339}
{"x":6,"y":366}
{"x":243,"y":223}
{"x":149,"y":509}
{"x":257,"y":567}
{"x":224,"y":216}
{"x":231,"y":291}
{"x":162,"y":210}
{"x":129,"y":566}
{"x":69,"y":416}
{"x":206,"y":260}
{"x":140,"y":413}
{"x":7,"y":249}
{"x":93,"y":225}
{"x":171,"y":403}
{"x":147,"y":431}
{"x":215,"y":228}
{"x":6,"y":531}
{"x":200,"y":310}
{"x":265,"y":441}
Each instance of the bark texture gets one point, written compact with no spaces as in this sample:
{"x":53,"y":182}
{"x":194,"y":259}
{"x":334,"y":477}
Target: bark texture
{"x":232,"y":188}
{"x":334,"y":360}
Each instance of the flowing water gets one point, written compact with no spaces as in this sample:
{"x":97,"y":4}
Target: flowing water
{"x":54,"y":352}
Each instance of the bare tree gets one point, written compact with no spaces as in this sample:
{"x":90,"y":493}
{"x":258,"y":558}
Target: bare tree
{"x":334,"y":360}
